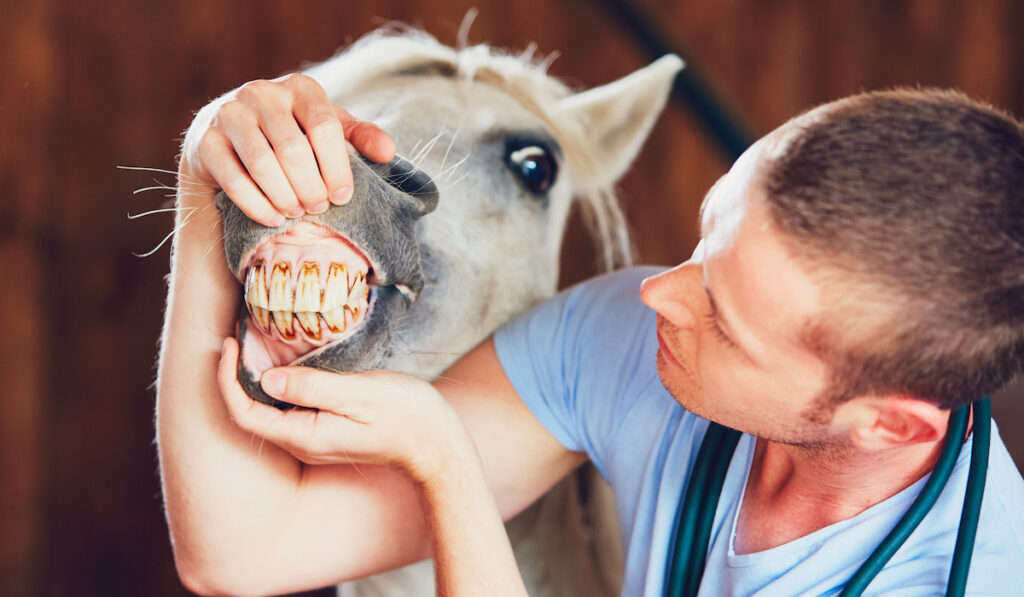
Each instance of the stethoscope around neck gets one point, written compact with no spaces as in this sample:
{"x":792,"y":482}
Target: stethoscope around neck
{"x":695,"y":514}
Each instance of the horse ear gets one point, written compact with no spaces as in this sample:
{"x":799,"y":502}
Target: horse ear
{"x":619,"y":116}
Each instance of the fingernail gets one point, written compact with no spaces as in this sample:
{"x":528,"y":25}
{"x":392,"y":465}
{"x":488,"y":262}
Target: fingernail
{"x":273,"y":383}
{"x":296,"y":212}
{"x":318,"y":207}
{"x":342,"y":195}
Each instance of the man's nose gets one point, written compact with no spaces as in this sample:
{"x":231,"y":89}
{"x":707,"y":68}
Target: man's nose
{"x":674,"y":294}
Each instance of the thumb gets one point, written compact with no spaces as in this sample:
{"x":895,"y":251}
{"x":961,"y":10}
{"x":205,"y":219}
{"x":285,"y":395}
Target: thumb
{"x":342,"y":393}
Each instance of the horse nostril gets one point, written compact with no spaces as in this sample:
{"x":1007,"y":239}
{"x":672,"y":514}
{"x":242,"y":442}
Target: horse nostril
{"x":401,"y":174}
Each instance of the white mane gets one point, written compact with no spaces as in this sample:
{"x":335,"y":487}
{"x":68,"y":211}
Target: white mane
{"x":397,"y":49}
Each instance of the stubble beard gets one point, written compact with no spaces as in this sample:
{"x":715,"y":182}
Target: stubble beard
{"x":687,"y":394}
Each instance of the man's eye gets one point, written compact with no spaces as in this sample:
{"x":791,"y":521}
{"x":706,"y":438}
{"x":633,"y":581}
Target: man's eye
{"x":717,"y":330}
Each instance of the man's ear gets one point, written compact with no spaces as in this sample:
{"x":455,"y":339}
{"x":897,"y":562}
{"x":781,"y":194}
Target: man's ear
{"x":618,"y":116}
{"x":879,"y":423}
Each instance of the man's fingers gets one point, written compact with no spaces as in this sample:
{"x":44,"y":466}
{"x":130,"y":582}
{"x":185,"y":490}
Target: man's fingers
{"x":315,"y":114}
{"x":290,"y":429}
{"x":327,"y":137}
{"x":312,"y":436}
{"x":295,"y":155}
{"x":367,"y":137}
{"x":242,"y":126}
{"x":227,"y":171}
{"x":244,"y":411}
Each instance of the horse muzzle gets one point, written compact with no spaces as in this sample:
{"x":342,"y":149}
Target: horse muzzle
{"x":326,"y":291}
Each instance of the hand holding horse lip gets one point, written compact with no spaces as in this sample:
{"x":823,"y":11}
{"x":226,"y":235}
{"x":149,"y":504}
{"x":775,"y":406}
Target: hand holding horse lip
{"x":278,"y":148}
{"x":378,"y":417}
{"x":314,"y":289}
{"x":325,"y":291}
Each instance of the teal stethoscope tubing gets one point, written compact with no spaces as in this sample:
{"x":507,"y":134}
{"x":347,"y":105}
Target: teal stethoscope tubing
{"x":695,"y":514}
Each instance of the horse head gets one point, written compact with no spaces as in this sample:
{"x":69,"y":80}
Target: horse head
{"x":441,"y":247}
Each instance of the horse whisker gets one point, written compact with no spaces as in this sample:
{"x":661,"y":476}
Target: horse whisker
{"x":417,"y":159}
{"x":451,"y":169}
{"x":451,"y":144}
{"x":159,"y":170}
{"x":184,"y":220}
{"x":154,"y":188}
{"x":457,"y":180}
{"x":155,"y":211}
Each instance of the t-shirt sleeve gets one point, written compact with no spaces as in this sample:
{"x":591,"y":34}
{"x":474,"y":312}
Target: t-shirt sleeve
{"x":577,"y":359}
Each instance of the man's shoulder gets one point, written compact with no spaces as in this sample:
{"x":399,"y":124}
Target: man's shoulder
{"x":1003,"y":506}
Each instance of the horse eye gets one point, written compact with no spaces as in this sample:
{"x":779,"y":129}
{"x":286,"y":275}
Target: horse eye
{"x":533,"y":165}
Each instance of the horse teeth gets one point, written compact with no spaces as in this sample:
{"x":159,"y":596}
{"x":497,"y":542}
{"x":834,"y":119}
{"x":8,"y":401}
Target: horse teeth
{"x":356,"y":279}
{"x":353,"y":312}
{"x":310,"y":323}
{"x":256,"y":287}
{"x":262,"y":318}
{"x":336,"y":289}
{"x":358,"y":292}
{"x":281,"y":298}
{"x":307,"y":289}
{"x":307,"y":299}
{"x":273,"y":302}
{"x":335,"y":319}
{"x":283,"y":320}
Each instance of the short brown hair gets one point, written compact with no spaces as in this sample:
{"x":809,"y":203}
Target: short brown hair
{"x":909,"y":204}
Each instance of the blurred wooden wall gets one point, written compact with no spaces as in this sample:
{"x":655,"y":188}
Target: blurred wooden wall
{"x":89,"y":86}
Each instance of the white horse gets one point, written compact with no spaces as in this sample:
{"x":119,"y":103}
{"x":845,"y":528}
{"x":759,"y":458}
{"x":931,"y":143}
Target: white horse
{"x":508,"y":148}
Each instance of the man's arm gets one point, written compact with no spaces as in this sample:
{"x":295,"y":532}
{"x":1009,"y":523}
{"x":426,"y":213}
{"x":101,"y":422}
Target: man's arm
{"x":399,"y":421}
{"x":472,"y":553}
{"x":247,"y":517}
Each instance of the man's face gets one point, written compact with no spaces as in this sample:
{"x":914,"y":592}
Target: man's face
{"x":730,"y":318}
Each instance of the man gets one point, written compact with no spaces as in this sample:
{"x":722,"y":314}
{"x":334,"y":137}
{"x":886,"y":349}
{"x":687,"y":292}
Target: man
{"x":861,"y":272}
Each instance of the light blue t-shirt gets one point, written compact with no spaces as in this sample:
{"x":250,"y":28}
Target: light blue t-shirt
{"x":584,"y":363}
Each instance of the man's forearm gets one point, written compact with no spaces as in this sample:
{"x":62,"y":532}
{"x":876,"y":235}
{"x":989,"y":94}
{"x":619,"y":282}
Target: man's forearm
{"x":472,"y":554}
{"x":217,"y":491}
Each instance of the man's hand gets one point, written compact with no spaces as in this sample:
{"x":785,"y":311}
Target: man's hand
{"x":278,"y":148}
{"x":380,"y":417}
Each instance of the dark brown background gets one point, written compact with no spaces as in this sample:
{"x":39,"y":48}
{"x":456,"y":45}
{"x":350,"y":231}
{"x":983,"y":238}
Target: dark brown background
{"x":87,"y":86}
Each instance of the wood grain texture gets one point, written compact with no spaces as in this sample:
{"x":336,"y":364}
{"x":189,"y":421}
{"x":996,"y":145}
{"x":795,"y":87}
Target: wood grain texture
{"x":90,"y":86}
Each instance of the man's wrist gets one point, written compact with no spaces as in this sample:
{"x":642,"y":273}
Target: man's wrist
{"x":454,"y":466}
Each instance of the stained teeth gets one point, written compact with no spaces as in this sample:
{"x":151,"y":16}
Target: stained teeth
{"x":335,"y":319}
{"x":256,"y":296}
{"x":281,"y":299}
{"x":339,"y":302}
{"x":307,"y":299}
{"x":256,"y":287}
{"x":262,"y":317}
{"x":336,"y":289}
{"x":357,"y":293}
